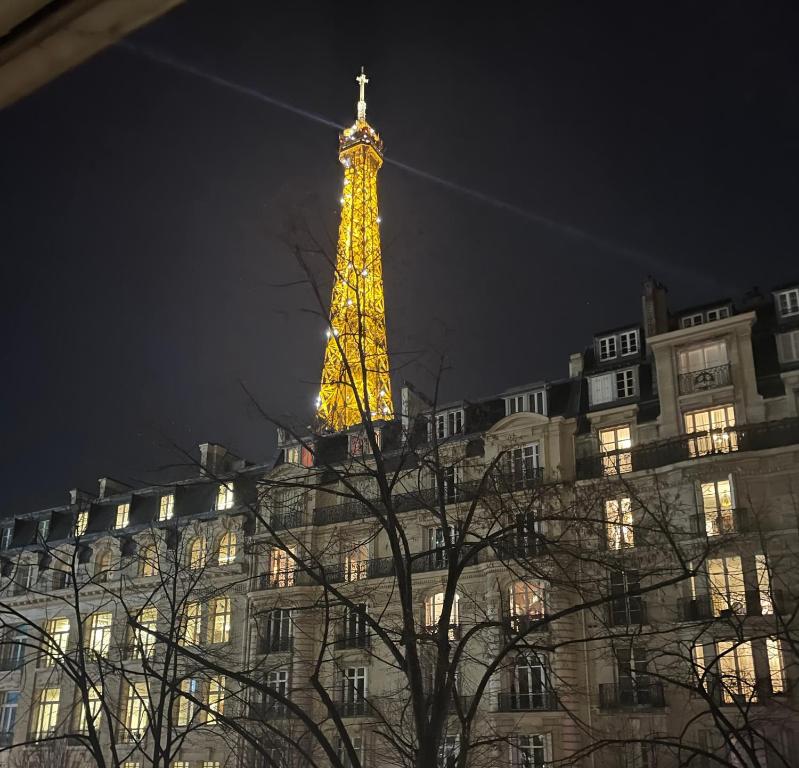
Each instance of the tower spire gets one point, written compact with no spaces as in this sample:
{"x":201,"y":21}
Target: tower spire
{"x":355,"y":374}
{"x":362,"y":80}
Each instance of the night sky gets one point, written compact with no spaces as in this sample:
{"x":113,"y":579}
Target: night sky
{"x":145,"y":211}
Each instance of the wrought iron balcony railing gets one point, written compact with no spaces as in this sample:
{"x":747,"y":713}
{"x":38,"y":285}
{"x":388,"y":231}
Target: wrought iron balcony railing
{"x":721,"y":522}
{"x":743,"y":437}
{"x":545,"y":700}
{"x":635,"y":694}
{"x":701,"y":381}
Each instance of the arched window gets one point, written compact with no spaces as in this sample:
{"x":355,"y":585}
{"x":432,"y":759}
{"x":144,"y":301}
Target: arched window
{"x":102,"y":566}
{"x":148,"y":556}
{"x":433,"y":608}
{"x":227,"y":548}
{"x":198,"y":553}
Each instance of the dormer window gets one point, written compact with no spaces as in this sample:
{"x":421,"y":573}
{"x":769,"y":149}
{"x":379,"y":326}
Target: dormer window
{"x":5,"y":540}
{"x":706,"y":316}
{"x":298,"y":454}
{"x":81,"y":523}
{"x":359,"y":443}
{"x":449,"y":424}
{"x":628,"y":342}
{"x":43,"y":529}
{"x":607,"y":348}
{"x":616,"y":385}
{"x":122,"y":516}
{"x":717,"y":314}
{"x":224,"y":496}
{"x":689,"y":321}
{"x":166,"y":507}
{"x":534,"y":402}
{"x":788,"y":303}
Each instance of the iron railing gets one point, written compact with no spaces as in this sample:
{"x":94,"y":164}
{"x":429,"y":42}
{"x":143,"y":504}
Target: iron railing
{"x":743,"y":437}
{"x":533,"y":701}
{"x":637,"y":694}
{"x":702,"y":608}
{"x":701,"y":381}
{"x":721,"y":522}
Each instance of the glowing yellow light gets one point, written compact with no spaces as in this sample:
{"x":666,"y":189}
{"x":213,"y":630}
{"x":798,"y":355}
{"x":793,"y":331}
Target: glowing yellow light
{"x":355,"y":371}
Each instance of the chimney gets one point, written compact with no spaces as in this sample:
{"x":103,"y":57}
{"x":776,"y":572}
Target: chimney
{"x":111,"y":487}
{"x":216,"y":460}
{"x":655,"y":307}
{"x":575,"y":365}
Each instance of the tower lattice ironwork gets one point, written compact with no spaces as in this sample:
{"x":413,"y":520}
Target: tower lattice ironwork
{"x":355,"y":374}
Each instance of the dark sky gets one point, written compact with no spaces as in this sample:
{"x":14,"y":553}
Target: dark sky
{"x":144,"y":209}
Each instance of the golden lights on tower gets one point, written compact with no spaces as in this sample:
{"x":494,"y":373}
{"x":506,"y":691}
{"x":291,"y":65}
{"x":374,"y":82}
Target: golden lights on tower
{"x":355,"y":374}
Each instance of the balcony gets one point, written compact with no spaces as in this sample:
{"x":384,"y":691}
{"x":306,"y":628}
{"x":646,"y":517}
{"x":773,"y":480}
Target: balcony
{"x":519,"y":624}
{"x":281,"y":644}
{"x":534,"y":701}
{"x":750,"y":603}
{"x":283,"y":521}
{"x":701,"y":381}
{"x":647,"y":695}
{"x":353,"y":641}
{"x":422,"y":498}
{"x":355,"y":708}
{"x":743,"y":437}
{"x":509,"y":481}
{"x":722,"y":522}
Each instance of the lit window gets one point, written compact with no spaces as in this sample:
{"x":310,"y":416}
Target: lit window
{"x":198,"y":553}
{"x":628,"y":342}
{"x":191,"y":624}
{"x":737,"y":670}
{"x":102,"y":566}
{"x":356,"y":563}
{"x":776,"y":665}
{"x":219,"y":620}
{"x":45,"y":716}
{"x":224,"y":497}
{"x":434,"y":608}
{"x":715,"y":425}
{"x":90,"y":711}
{"x":122,"y":517}
{"x":717,"y":506}
{"x":227,"y":548}
{"x":281,"y":569}
{"x":100,"y":632}
{"x":625,"y":383}
{"x":619,"y":523}
{"x":57,"y":640}
{"x":607,"y":348}
{"x":788,"y":347}
{"x":148,"y":556}
{"x":291,"y":454}
{"x":216,"y":699}
{"x":81,"y":523}
{"x":187,"y":703}
{"x":527,"y":603}
{"x":144,"y":637}
{"x":211,"y":764}
{"x":788,"y":302}
{"x":131,"y":764}
{"x":726,"y":581}
{"x":615,"y":444}
{"x":764,"y":585}
{"x":529,"y":752}
{"x":136,"y":715}
{"x":166,"y":508}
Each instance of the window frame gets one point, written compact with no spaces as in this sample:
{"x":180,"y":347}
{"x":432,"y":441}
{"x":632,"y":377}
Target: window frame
{"x":607,"y":348}
{"x":787,"y":302}
{"x":625,"y":339}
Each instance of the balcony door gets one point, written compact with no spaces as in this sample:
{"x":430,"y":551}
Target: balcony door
{"x":529,"y":686}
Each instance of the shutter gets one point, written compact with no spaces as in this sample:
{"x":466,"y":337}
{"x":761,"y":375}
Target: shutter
{"x":601,"y":389}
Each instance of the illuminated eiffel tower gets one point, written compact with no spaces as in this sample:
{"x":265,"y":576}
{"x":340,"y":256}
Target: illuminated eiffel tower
{"x":355,"y":374}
